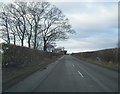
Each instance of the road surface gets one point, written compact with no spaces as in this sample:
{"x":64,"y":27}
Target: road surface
{"x":68,"y":74}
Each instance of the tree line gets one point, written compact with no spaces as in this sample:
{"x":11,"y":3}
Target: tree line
{"x":38,"y":24}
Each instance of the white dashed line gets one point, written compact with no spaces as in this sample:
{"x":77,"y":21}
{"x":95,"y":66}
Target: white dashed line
{"x":80,"y":74}
{"x":73,"y":65}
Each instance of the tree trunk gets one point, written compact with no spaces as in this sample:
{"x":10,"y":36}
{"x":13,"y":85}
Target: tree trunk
{"x":8,"y":36}
{"x":29,"y":45}
{"x":35,"y":37}
{"x":22,"y":42}
{"x":14,"y":40}
{"x":45,"y":46}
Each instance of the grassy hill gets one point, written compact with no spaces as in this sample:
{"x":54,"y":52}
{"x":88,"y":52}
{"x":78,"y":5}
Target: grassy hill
{"x":107,"y":57}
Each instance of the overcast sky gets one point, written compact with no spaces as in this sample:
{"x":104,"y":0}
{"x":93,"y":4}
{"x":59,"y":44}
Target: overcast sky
{"x":95,"y":23}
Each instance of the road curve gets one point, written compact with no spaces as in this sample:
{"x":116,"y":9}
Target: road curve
{"x":69,"y":74}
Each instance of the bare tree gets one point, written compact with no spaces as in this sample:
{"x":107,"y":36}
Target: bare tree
{"x":4,"y":23}
{"x":40,"y":23}
{"x":36,"y":10}
{"x":18,"y":12}
{"x":55,"y":26}
{"x":12,"y":28}
{"x":29,"y":30}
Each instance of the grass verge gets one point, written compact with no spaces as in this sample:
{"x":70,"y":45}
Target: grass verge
{"x":14,"y":73}
{"x":101,"y":63}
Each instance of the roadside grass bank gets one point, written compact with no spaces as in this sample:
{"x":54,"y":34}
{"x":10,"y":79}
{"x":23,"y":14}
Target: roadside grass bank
{"x":108,"y":58}
{"x":101,"y":63}
{"x":20,"y":62}
{"x":12,"y":73}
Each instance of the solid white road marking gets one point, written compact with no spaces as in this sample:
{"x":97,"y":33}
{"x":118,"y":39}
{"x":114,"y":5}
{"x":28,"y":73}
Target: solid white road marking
{"x":80,"y":74}
{"x":73,"y":65}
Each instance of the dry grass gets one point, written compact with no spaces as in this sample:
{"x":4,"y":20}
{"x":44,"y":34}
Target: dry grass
{"x":101,"y":63}
{"x":109,"y":58}
{"x":11,"y":73}
{"x":22,"y":61}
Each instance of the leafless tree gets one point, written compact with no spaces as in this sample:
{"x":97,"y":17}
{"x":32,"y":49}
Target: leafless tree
{"x":29,"y":30}
{"x":18,"y":12}
{"x":4,"y":23}
{"x":55,"y":26}
{"x":36,"y":10}
{"x":39,"y":23}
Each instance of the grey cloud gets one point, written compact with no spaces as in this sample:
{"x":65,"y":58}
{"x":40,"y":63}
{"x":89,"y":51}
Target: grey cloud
{"x":95,"y":24}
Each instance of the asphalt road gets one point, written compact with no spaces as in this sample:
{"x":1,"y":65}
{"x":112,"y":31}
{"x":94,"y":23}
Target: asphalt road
{"x":68,"y":74}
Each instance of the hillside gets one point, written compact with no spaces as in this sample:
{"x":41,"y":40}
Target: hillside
{"x":107,"y":57}
{"x":20,"y":61}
